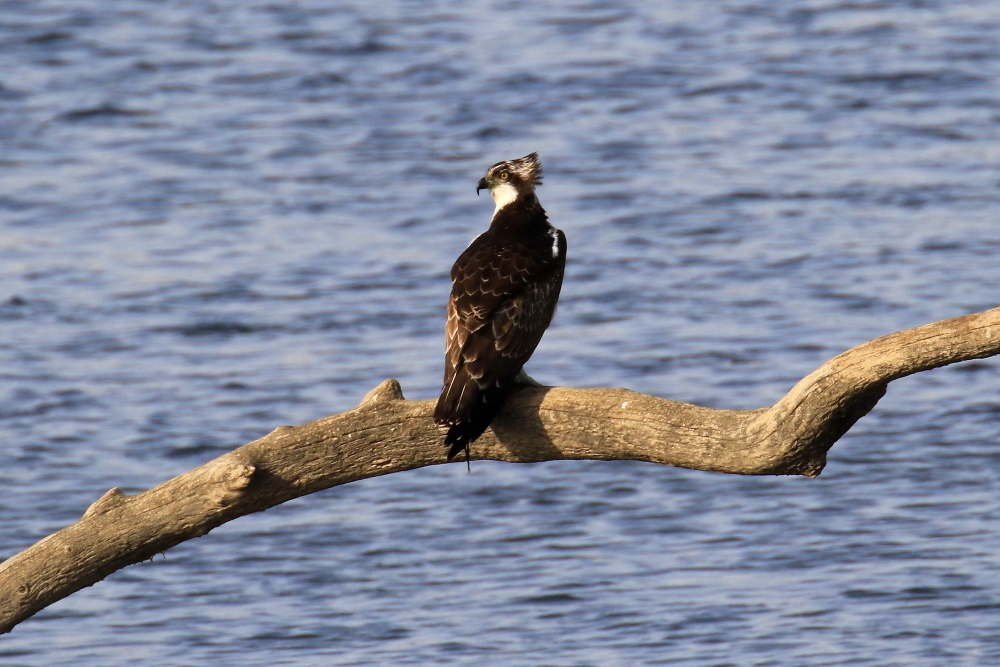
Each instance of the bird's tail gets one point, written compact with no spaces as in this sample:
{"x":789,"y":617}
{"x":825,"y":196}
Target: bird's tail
{"x":468,"y":419}
{"x":462,"y":434}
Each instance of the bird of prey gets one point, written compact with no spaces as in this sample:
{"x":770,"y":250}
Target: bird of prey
{"x":504,"y":292}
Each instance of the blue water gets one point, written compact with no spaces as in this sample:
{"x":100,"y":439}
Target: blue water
{"x":216,"y":218}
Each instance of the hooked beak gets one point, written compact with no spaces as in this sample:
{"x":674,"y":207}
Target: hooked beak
{"x":482,"y":185}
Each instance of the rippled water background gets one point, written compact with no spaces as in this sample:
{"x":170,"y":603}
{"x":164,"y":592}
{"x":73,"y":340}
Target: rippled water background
{"x":216,"y":218}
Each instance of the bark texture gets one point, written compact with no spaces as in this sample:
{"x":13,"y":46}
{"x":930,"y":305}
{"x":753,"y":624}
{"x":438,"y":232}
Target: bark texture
{"x":387,"y":433}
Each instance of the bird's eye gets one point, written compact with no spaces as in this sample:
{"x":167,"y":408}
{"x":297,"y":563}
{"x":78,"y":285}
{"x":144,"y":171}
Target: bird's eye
{"x":504,"y":175}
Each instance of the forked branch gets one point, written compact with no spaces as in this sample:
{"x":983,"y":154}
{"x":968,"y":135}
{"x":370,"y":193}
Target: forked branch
{"x":387,"y":433}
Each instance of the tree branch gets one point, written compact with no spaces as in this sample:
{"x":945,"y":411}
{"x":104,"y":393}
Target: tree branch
{"x":387,"y":434}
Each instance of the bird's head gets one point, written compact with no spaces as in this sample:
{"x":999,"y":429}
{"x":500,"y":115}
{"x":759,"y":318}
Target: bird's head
{"x":510,"y":180}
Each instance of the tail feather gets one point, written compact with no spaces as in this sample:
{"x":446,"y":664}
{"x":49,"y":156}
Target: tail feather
{"x":468,"y":410}
{"x":462,"y":434}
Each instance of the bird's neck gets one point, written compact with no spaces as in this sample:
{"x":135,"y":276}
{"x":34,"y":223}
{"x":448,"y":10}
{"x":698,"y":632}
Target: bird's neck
{"x":504,"y":195}
{"x":522,"y":214}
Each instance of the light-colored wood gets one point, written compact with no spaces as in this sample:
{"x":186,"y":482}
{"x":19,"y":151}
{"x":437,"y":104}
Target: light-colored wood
{"x":387,"y":434}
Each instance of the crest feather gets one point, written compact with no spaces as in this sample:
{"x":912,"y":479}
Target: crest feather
{"x":527,"y":168}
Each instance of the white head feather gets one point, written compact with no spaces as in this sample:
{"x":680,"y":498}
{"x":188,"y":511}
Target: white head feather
{"x":511,"y":179}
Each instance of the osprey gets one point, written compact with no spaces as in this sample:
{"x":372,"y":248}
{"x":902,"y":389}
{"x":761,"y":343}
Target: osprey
{"x":504,"y":292}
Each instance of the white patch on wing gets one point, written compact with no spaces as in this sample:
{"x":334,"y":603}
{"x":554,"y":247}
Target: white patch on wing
{"x":503,"y":194}
{"x":555,"y":243}
{"x":474,"y":240}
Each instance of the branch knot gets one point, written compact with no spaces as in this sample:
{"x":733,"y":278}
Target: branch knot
{"x":388,"y":390}
{"x":111,"y":499}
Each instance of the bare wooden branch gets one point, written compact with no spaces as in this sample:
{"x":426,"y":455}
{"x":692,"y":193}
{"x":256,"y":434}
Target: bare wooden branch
{"x":387,"y":433}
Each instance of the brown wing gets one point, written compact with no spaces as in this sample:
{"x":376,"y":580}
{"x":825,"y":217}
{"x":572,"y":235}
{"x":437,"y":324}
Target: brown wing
{"x":501,"y":303}
{"x":517,"y":326}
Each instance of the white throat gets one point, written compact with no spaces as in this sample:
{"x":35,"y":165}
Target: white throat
{"x":503,"y":194}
